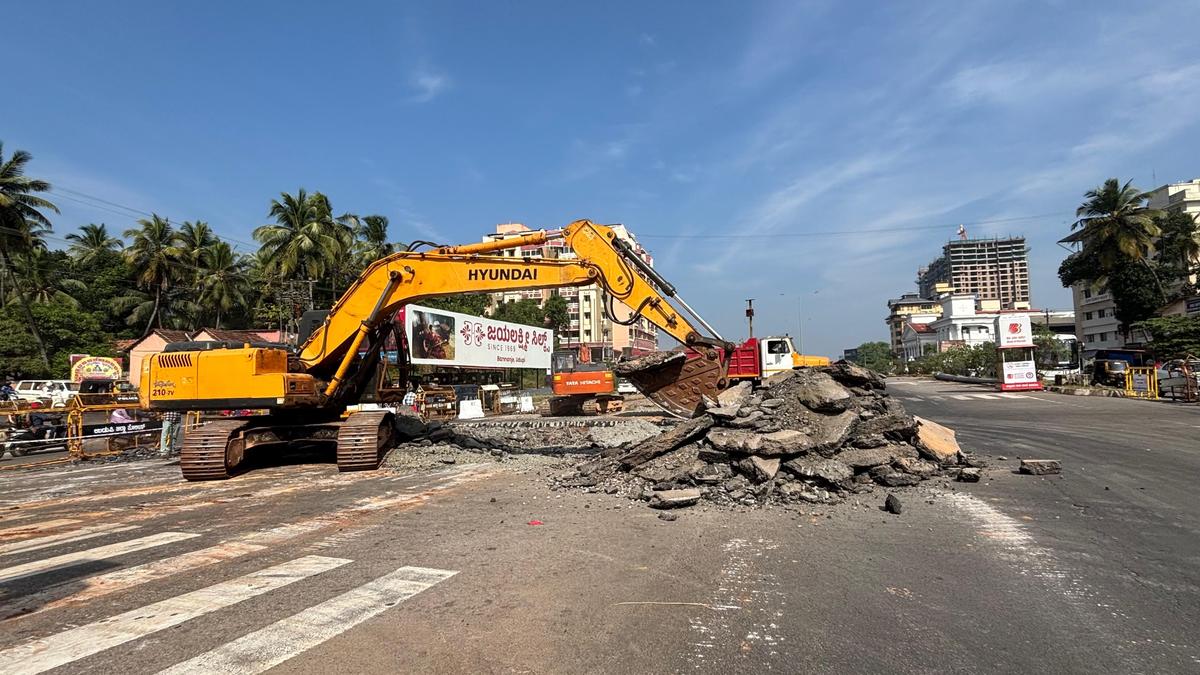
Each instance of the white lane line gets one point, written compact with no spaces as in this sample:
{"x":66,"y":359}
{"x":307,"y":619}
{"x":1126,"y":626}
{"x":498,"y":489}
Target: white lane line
{"x":38,"y":656}
{"x":960,"y":397}
{"x":99,"y":553}
{"x":35,"y":527}
{"x":1009,"y":394}
{"x":287,"y":638}
{"x":123,"y":579}
{"x":64,"y":538}
{"x":993,"y":396}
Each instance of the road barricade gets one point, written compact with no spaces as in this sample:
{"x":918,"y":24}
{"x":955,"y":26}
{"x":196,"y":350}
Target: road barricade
{"x":1141,"y":382}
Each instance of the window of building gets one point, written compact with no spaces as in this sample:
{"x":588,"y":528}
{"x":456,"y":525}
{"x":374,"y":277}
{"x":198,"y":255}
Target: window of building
{"x":1087,"y":316}
{"x":1101,"y":313}
{"x":1087,"y":293}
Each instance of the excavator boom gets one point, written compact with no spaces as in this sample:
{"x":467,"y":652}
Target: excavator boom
{"x":602,"y":258}
{"x":319,"y":376}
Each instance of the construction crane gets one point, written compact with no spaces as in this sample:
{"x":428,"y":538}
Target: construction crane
{"x":306,"y":393}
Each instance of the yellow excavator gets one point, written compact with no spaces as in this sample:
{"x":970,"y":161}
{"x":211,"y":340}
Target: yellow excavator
{"x":307,"y":391}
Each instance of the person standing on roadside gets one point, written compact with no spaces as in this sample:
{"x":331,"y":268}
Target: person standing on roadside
{"x":172,"y":433}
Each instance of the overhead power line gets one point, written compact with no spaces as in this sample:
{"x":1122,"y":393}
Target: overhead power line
{"x":109,"y":206}
{"x":837,"y":233}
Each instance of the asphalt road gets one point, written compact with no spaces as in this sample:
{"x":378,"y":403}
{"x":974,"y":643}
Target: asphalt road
{"x":300,"y":569}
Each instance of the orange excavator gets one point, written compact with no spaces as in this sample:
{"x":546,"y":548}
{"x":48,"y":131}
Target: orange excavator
{"x":305,"y":392}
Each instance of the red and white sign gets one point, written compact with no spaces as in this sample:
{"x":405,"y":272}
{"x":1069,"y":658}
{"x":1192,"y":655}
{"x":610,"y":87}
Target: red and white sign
{"x":1019,"y":376}
{"x":1013,"y":330}
{"x":438,"y":337}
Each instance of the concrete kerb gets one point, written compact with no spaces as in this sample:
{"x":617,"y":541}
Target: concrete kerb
{"x":1080,"y":390}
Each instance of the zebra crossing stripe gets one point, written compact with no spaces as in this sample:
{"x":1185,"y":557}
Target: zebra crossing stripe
{"x":34,"y":527}
{"x":992,"y":396}
{"x":122,"y":579}
{"x":38,"y":656}
{"x":270,"y":646}
{"x":99,"y":553}
{"x":1009,"y":394}
{"x":960,"y":397}
{"x":64,"y":538}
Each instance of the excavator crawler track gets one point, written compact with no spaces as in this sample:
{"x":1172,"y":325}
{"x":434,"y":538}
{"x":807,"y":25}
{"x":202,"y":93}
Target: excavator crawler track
{"x":362,"y":440}
{"x":204,"y":454}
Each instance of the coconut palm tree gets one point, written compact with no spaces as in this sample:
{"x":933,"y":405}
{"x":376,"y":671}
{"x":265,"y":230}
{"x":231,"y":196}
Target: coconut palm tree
{"x":192,"y":243}
{"x":91,"y":242}
{"x":1115,"y":224}
{"x":373,"y":239}
{"x":305,"y":241}
{"x":152,"y":255}
{"x":22,"y":225}
{"x":226,"y":284}
{"x":44,"y":275}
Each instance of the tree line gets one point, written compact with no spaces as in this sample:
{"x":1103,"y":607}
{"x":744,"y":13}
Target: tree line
{"x":99,"y":285}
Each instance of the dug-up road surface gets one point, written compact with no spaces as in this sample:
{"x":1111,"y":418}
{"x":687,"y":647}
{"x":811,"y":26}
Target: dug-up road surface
{"x":296,"y":568}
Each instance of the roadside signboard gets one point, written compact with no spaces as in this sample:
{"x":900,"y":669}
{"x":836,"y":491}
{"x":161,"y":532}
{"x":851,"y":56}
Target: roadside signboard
{"x":1013,"y":330}
{"x":1192,"y":306}
{"x":1140,"y":382}
{"x":119,"y":428}
{"x":95,"y":368}
{"x":438,"y":337}
{"x":1019,"y":375}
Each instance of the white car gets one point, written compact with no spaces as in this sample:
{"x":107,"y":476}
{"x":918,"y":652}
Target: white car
{"x":626,"y":387}
{"x":57,"y":392}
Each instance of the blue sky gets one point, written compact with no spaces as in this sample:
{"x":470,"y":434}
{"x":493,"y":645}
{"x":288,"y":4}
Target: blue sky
{"x":740,"y":141}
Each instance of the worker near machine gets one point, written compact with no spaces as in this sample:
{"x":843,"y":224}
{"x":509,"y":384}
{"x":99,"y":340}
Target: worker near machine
{"x":120,"y":416}
{"x":172,"y":433}
{"x":7,"y":393}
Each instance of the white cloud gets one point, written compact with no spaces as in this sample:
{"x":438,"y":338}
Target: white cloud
{"x":647,"y":40}
{"x":428,"y":84}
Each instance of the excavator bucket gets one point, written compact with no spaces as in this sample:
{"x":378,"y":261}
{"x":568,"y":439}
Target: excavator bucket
{"x":677,"y":382}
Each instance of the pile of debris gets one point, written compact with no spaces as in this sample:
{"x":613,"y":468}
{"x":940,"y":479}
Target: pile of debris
{"x":813,"y":435}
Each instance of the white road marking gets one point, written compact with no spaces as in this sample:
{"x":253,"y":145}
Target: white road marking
{"x":38,"y":656}
{"x":960,"y":397}
{"x":64,"y":538}
{"x":98,"y":553}
{"x":270,"y":646}
{"x":1009,"y":394}
{"x":993,"y":396}
{"x":91,"y":588}
{"x":34,"y":527}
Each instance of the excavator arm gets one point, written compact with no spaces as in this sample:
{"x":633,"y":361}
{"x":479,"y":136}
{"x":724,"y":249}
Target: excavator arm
{"x":318,"y":376}
{"x":677,"y":384}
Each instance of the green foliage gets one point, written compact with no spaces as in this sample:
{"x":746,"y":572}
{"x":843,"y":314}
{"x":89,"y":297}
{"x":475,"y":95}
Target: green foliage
{"x":525,"y":312}
{"x":877,"y":356}
{"x":976,"y":361}
{"x":474,"y":304}
{"x":1179,"y":248}
{"x":66,"y":330}
{"x":557,"y":316}
{"x":1049,"y":351}
{"x":1115,"y":225}
{"x":1174,"y":337}
{"x":1135,"y":291}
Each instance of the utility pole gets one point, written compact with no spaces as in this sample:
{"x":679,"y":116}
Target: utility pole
{"x":750,"y":314}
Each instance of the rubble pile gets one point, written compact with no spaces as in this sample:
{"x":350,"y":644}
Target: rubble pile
{"x":813,"y":435}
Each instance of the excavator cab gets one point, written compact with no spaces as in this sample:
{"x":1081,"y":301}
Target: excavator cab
{"x":581,"y":387}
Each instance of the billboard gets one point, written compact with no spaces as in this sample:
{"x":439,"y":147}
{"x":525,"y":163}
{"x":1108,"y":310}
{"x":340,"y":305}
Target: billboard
{"x":438,"y":337}
{"x":95,"y":368}
{"x":1013,"y":330}
{"x":1020,"y":375}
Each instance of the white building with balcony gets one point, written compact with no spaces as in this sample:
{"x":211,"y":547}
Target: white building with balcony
{"x":1095,"y":322}
{"x":962,"y":323}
